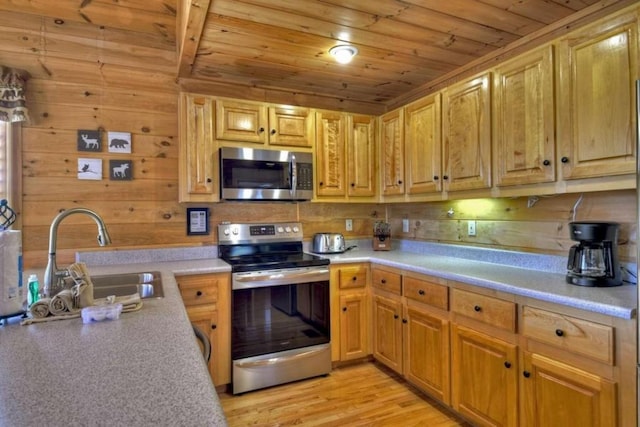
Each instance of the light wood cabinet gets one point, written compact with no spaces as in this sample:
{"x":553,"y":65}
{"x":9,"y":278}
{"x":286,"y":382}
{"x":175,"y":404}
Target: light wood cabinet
{"x":392,"y":153}
{"x":361,"y":156}
{"x":350,"y":312}
{"x":555,"y":393}
{"x":387,"y":331}
{"x":254,"y":122}
{"x":423,"y":145}
{"x":485,"y":377}
{"x":596,"y":102}
{"x":466,"y":131}
{"x":524,"y":120}
{"x":207,"y":298}
{"x":198,"y":163}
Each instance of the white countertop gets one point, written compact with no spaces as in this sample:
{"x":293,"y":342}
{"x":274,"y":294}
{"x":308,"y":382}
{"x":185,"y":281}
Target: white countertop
{"x":143,"y":369}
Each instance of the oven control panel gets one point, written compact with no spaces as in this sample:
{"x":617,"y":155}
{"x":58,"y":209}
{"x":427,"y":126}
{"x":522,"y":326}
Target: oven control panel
{"x":229,"y":233}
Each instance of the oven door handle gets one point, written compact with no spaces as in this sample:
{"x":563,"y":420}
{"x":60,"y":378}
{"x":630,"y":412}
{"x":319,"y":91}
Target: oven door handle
{"x":250,"y":280}
{"x":280,"y":360}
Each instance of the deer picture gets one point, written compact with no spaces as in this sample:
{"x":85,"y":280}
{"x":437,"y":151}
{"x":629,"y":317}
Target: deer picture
{"x":89,"y":142}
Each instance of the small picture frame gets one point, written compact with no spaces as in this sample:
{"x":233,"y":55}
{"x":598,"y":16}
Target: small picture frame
{"x":120,"y":170}
{"x":89,"y":140}
{"x":119,"y":142}
{"x":90,"y":169}
{"x":197,"y":221}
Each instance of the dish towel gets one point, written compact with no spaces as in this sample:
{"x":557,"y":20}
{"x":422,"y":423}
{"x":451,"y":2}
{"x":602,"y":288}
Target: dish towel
{"x":62,"y":303}
{"x":40,"y":308}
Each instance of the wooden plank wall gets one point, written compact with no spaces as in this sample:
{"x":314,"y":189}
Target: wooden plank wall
{"x":89,"y":78}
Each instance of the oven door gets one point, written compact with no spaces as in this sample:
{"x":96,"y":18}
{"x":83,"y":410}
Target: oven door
{"x":252,"y":174}
{"x":279,"y":310}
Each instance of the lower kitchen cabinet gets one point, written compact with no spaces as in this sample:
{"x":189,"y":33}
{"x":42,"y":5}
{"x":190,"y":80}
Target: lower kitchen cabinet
{"x":555,"y":393}
{"x":350,"y":330}
{"x":207,"y":298}
{"x":485,"y":378}
{"x":387,"y":332}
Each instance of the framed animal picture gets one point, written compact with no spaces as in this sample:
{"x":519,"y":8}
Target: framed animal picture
{"x":120,"y":170}
{"x":90,"y":169}
{"x":89,"y":140}
{"x":119,"y":142}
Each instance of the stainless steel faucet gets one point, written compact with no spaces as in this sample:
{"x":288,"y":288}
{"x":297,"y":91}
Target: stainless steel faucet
{"x":53,"y":277}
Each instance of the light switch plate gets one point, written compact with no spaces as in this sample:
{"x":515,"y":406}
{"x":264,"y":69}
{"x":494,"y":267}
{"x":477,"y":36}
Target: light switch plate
{"x":348,"y":225}
{"x":471,"y":228}
{"x":405,"y":225}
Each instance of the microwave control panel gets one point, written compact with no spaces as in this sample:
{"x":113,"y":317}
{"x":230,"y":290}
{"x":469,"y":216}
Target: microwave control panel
{"x":305,"y":176}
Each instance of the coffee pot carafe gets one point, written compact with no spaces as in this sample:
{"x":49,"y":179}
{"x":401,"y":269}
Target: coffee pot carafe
{"x":594,"y":261}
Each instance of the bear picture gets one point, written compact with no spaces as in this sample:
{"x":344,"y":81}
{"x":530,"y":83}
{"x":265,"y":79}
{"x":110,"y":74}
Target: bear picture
{"x":119,"y":142}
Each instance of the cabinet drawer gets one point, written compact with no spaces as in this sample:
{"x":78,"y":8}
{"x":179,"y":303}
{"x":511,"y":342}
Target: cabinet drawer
{"x":575,"y":335}
{"x":352,"y":277}
{"x":196,"y":290}
{"x":426,"y":292}
{"x":386,"y":280}
{"x":486,"y":309}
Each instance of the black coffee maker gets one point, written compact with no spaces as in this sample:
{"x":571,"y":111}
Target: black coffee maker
{"x":594,"y":261}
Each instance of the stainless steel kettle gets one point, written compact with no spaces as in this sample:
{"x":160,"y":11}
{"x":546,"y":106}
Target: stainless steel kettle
{"x":328,"y":243}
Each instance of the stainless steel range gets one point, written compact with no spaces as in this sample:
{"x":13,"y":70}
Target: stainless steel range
{"x":280,"y":305}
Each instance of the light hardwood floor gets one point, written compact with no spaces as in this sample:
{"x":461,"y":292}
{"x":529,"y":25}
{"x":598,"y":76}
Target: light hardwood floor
{"x":357,"y":395}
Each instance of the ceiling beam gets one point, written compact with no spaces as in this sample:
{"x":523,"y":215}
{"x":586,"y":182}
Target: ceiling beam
{"x":191,"y":17}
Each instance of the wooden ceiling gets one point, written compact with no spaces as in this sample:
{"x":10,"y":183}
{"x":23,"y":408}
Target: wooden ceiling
{"x":278,"y":49}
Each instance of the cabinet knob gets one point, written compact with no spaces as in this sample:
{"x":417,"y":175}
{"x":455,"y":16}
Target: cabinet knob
{"x":383,"y":281}
{"x":477,"y":308}
{"x":546,"y":162}
{"x":344,"y":308}
{"x":526,"y":374}
{"x":321,"y":183}
{"x":273,"y":131}
{"x":199,"y":293}
{"x":209,"y":179}
{"x":354,"y":278}
{"x":261,"y":130}
{"x":445,"y":177}
{"x":353,"y":184}
{"x":399,"y":182}
{"x":436,"y":177}
{"x":421,"y":292}
{"x":404,"y":320}
{"x":395,"y":316}
{"x":507,"y":364}
{"x":559,"y":332}
{"x":564,"y":160}
{"x":214,"y":326}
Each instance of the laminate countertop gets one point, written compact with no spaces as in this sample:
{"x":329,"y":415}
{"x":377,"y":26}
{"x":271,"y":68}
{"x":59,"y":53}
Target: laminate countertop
{"x":143,"y":369}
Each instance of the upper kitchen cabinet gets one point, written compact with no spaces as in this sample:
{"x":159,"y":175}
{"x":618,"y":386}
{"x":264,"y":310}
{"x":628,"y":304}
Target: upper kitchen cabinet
{"x":423,"y":145}
{"x":245,"y":121}
{"x":345,"y":155}
{"x":524,"y":120}
{"x":598,"y":68}
{"x":466,"y":131}
{"x":392,"y":153}
{"x":198,"y":152}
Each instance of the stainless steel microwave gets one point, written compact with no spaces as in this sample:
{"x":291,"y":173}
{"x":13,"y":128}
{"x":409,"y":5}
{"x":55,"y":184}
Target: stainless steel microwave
{"x":256,"y":174}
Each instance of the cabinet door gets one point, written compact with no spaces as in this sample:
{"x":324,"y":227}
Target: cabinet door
{"x":524,"y":120}
{"x":354,"y":333}
{"x":598,"y":69}
{"x":484,"y":373}
{"x":466,"y":129}
{"x":291,"y":126}
{"x":392,"y":153}
{"x":423,"y":145}
{"x":427,"y":353}
{"x":198,"y":164}
{"x":330,"y":154}
{"x":241,"y":121}
{"x":560,"y":395}
{"x":387,"y":332}
{"x":206,"y":319}
{"x":361,"y":156}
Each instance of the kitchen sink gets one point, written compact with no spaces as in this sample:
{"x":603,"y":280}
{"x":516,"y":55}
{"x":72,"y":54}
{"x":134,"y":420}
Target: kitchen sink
{"x":147,"y":284}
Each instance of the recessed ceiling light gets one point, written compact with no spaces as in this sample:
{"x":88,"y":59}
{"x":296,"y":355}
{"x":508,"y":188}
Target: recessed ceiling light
{"x":343,"y":53}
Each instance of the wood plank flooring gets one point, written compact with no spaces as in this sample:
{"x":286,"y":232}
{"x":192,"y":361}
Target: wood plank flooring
{"x":363,"y":394}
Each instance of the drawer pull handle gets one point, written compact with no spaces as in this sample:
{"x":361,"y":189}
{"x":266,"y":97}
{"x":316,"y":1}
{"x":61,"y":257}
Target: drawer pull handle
{"x":383,"y":281}
{"x":559,"y":332}
{"x":477,"y":308}
{"x":199,"y":293}
{"x":526,"y":374}
{"x":421,"y":292}
{"x":507,"y":364}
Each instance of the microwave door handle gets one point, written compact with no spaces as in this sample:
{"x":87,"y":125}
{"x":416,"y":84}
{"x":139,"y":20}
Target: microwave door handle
{"x":294,"y":175}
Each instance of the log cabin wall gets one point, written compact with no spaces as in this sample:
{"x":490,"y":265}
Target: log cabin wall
{"x":83,"y":77}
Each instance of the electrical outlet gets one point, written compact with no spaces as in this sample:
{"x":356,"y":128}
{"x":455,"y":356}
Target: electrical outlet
{"x":348,"y":224}
{"x":405,"y":225}
{"x":471,"y":231}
